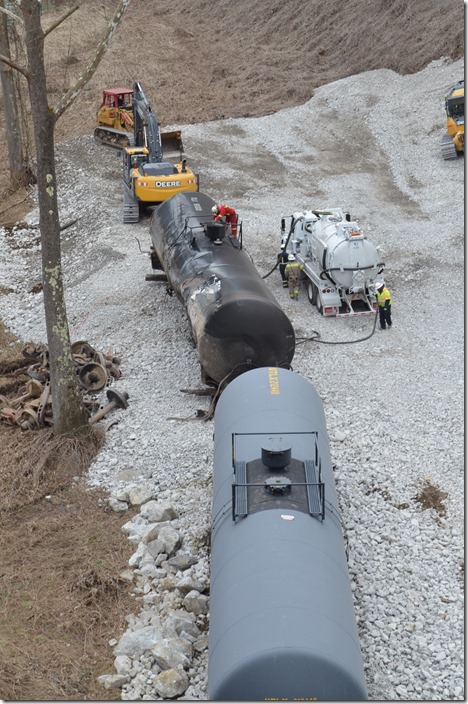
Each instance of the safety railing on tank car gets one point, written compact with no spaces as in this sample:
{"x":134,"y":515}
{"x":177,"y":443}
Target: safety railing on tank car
{"x":312,"y":469}
{"x":201,"y":226}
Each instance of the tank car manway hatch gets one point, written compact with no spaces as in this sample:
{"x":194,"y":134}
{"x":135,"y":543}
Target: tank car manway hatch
{"x":277,"y":480}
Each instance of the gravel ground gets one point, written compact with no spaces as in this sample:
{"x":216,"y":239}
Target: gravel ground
{"x":393,"y":403}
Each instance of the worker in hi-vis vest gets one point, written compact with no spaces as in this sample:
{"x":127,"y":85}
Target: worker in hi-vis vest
{"x":293,"y":275}
{"x":384,"y":300}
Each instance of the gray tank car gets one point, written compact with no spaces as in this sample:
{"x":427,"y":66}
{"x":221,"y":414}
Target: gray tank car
{"x":236,"y":322}
{"x":282,"y":621}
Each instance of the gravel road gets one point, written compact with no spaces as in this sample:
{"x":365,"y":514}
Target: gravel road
{"x":394,"y":403}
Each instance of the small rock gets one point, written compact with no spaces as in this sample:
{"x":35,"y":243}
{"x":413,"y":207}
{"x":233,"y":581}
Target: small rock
{"x":181,"y":562}
{"x":171,"y":683}
{"x":137,"y":642}
{"x":158,"y":512}
{"x":116,"y":505}
{"x":122,"y":664}
{"x":113,"y":681}
{"x":139,"y":495}
{"x":196,"y":603}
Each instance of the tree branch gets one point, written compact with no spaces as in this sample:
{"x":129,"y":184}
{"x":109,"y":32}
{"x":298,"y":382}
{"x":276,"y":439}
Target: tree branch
{"x":12,"y":15}
{"x":12,"y":64}
{"x":62,"y":19}
{"x":69,"y":97}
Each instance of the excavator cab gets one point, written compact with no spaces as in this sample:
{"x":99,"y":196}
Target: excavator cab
{"x":453,"y":143}
{"x":133,"y":157}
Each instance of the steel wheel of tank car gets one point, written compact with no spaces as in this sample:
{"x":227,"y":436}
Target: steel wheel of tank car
{"x":312,"y":292}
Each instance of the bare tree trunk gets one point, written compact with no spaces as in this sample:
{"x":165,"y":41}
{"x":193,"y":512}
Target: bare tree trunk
{"x":19,"y":171}
{"x":67,"y":406}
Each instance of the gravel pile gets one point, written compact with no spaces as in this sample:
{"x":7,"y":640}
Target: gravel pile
{"x":393,"y":403}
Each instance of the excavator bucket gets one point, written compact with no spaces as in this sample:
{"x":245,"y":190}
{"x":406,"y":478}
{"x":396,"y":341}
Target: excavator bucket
{"x":172,"y":145}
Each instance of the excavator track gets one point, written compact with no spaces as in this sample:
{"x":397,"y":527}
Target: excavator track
{"x":131,"y":206}
{"x":115,"y":139}
{"x":448,"y":148}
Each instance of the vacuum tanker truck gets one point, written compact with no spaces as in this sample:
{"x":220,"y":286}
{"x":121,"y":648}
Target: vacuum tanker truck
{"x":340,"y":265}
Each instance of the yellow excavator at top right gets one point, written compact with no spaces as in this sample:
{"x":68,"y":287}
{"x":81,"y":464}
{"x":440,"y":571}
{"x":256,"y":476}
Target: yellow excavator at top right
{"x":453,"y":143}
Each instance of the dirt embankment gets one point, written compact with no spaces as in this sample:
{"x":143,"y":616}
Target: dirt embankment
{"x":200,"y":60}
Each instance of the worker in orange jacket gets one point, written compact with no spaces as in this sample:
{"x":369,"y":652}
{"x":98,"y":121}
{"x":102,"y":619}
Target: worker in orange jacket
{"x":227,"y":215}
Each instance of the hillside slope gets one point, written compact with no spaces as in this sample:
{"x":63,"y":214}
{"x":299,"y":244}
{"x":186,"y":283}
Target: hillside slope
{"x":199,"y":60}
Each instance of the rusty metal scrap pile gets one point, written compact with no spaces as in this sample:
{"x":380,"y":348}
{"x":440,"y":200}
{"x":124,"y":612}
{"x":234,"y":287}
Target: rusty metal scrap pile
{"x":96,"y":371}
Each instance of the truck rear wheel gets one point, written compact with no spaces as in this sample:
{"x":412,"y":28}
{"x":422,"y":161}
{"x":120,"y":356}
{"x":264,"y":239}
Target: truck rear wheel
{"x":312,"y":292}
{"x":319,"y":304}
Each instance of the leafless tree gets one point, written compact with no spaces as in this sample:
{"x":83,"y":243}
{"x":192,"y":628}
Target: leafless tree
{"x":67,"y":406}
{"x":20,"y":173}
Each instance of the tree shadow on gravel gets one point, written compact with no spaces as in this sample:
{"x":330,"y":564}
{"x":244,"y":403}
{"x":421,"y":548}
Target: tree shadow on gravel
{"x":61,"y":553}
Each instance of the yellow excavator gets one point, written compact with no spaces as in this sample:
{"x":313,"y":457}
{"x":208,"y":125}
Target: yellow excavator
{"x":453,"y":143}
{"x":153,"y":165}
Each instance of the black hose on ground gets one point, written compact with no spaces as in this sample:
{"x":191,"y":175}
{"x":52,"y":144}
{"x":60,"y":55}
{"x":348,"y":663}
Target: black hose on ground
{"x":314,"y":338}
{"x":285,"y":246}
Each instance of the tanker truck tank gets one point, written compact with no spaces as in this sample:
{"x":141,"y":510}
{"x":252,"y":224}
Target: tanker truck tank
{"x":282,"y":621}
{"x":340,"y":263}
{"x":236,"y":322}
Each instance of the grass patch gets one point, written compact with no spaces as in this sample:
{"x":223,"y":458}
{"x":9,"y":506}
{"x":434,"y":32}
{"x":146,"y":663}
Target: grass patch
{"x":61,"y":553}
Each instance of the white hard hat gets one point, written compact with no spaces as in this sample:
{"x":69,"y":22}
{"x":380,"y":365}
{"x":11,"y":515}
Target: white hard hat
{"x":282,"y":246}
{"x":214,"y":209}
{"x":378,"y":284}
{"x":291,"y":257}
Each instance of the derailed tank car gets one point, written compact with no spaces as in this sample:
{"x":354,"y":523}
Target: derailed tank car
{"x":236,"y":322}
{"x":282,"y":622}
